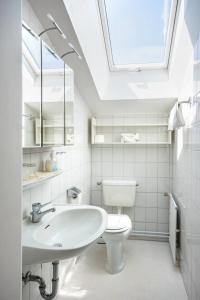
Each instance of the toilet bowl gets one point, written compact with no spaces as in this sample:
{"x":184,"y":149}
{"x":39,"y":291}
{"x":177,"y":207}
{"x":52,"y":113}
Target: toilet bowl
{"x":117,"y":193}
{"x":117,"y":231}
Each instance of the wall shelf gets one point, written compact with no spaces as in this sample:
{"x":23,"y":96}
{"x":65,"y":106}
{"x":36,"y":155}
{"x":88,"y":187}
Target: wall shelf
{"x":151,"y":133}
{"x":38,"y":178}
{"x":132,"y":125}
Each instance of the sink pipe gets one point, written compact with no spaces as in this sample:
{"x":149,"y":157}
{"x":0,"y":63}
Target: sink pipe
{"x":42,"y":285}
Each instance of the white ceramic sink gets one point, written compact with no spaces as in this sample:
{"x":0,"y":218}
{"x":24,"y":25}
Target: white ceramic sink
{"x":62,"y":234}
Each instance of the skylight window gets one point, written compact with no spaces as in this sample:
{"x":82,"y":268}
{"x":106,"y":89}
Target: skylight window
{"x":32,"y":52}
{"x":137,"y":33}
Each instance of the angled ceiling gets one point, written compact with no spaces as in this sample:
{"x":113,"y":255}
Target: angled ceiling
{"x":105,"y":91}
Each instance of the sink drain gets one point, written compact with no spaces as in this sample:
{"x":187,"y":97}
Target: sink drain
{"x":58,"y":245}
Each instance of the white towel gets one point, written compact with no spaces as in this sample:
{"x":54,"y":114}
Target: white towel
{"x":176,"y":119}
{"x":128,"y":138}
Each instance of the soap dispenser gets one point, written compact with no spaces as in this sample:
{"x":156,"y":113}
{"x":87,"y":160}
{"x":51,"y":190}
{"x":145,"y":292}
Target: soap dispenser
{"x":51,"y":164}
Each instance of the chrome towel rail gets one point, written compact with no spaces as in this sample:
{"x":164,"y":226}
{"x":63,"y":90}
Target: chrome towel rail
{"x":100,"y":183}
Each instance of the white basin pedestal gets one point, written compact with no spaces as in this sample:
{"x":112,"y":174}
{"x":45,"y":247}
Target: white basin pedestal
{"x":62,"y":234}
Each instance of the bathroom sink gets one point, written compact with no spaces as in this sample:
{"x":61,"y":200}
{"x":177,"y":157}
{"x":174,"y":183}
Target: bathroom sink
{"x":62,"y":234}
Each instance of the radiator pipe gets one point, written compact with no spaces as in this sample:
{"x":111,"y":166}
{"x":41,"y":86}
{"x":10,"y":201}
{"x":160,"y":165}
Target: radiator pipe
{"x":42,"y":285}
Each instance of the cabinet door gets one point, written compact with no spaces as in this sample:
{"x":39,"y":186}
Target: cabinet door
{"x":31,"y":89}
{"x":52,"y":98}
{"x":69,"y":106}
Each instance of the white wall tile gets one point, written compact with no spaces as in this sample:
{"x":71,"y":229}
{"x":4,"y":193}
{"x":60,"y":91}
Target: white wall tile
{"x":163,"y":215}
{"x":118,"y":154}
{"x":96,"y":155}
{"x":152,"y":154}
{"x":163,"y":202}
{"x":129,"y":154}
{"x":128,"y":170}
{"x":151,"y":169}
{"x":151,"y":185}
{"x":139,"y":226}
{"x":97,"y":169}
{"x":163,"y":155}
{"x":140,"y":200}
{"x":152,"y":227}
{"x":118,"y":169}
{"x":163,"y":185}
{"x":163,"y":170}
{"x":106,"y":169}
{"x":151,"y":200}
{"x":96,"y":198}
{"x":107,"y":154}
{"x":151,"y":215}
{"x":140,"y":214}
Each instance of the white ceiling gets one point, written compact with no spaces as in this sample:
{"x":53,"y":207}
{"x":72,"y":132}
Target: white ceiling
{"x":146,"y":91}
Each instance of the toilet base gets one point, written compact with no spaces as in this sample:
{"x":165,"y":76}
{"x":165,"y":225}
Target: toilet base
{"x":115,"y":255}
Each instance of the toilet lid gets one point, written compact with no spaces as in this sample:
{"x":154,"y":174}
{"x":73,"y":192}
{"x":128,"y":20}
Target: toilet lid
{"x":117,"y":222}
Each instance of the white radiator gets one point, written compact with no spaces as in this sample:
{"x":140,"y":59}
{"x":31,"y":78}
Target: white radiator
{"x":173,"y":227}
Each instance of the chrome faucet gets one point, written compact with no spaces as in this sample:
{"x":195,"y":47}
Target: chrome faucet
{"x":37,"y":214}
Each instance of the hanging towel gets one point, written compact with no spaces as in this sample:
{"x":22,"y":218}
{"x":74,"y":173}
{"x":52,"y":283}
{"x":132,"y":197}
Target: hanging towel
{"x":176,"y":119}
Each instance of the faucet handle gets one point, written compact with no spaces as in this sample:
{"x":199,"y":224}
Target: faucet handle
{"x":37,"y":206}
{"x":42,"y":205}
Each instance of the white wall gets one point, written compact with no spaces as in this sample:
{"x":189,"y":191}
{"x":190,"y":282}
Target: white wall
{"x":149,"y":165}
{"x":186,"y":155}
{"x":10,"y":149}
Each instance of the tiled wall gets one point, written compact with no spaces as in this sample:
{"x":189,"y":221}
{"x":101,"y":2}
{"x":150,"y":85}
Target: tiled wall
{"x":149,"y":165}
{"x":76,"y":164}
{"x":186,"y":185}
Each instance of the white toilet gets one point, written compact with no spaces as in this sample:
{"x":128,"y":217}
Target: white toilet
{"x":118,"y":193}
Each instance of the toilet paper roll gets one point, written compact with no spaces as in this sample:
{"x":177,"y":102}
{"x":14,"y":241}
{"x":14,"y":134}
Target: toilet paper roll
{"x":99,"y":139}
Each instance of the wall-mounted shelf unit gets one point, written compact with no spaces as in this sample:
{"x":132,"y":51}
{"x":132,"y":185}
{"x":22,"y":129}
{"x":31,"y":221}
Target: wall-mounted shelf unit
{"x":149,"y":131}
{"x":38,"y":178}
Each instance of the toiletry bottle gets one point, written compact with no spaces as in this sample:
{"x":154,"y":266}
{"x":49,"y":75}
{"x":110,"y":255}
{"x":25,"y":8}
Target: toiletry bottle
{"x":49,"y":165}
{"x":55,"y":163}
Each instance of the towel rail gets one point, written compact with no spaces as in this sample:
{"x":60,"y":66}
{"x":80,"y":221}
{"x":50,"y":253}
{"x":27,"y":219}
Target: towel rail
{"x":189,"y":101}
{"x":100,"y":183}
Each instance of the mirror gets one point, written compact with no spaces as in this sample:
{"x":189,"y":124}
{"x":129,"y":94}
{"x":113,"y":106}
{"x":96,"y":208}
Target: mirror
{"x":69,"y":106}
{"x":31,"y":89}
{"x":48,"y":95}
{"x":52,"y":98}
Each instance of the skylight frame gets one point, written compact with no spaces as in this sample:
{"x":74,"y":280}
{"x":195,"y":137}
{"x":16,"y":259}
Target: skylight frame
{"x":137,"y":67}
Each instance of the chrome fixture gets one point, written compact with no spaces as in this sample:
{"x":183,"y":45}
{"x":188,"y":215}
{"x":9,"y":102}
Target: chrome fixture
{"x":37,"y":214}
{"x":54,"y":27}
{"x":29,"y":165}
{"x":100,"y":183}
{"x":71,"y":51}
{"x":60,"y":152}
{"x":42,"y":285}
{"x":73,"y":192}
{"x":189,"y":101}
{"x":29,"y":30}
{"x":28,"y":116}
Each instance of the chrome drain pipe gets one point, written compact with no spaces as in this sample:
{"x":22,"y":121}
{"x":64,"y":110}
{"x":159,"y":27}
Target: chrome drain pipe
{"x":42,"y":285}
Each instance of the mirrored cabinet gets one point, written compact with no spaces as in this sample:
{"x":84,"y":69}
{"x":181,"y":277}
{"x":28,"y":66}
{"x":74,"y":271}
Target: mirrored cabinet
{"x":48,"y":95}
{"x":52,"y":98}
{"x":31,"y":89}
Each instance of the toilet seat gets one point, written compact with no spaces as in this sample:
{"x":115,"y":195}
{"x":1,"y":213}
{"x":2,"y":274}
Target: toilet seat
{"x":118,"y":223}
